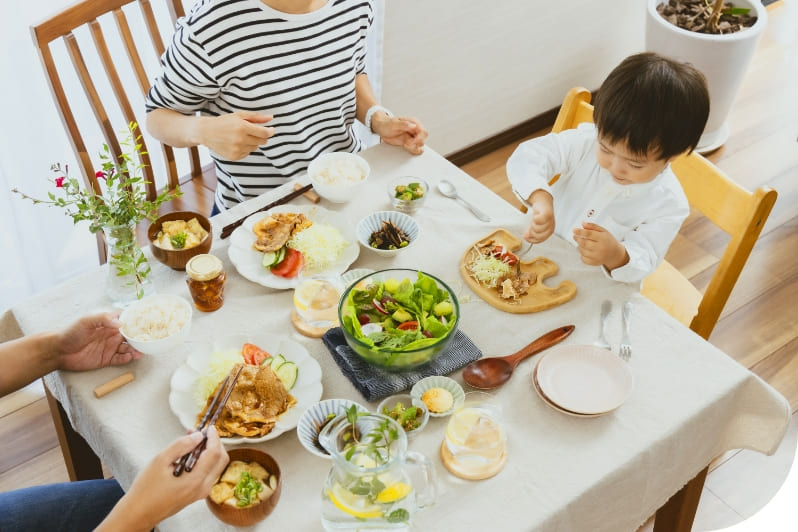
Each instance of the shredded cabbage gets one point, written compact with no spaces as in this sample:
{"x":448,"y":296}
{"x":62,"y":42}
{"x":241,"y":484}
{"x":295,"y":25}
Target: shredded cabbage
{"x":487,"y":269}
{"x":219,"y":367}
{"x":321,"y":244}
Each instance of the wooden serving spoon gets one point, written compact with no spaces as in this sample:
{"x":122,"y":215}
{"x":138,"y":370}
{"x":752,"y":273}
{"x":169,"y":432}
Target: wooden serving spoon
{"x":489,"y":373}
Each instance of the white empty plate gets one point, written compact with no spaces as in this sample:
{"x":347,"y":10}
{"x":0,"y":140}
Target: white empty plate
{"x":584,"y":379}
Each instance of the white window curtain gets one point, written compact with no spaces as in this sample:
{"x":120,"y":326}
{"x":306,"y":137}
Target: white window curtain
{"x":40,"y":247}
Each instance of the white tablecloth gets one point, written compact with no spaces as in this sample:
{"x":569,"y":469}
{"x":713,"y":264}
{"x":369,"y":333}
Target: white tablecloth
{"x":691,"y":402}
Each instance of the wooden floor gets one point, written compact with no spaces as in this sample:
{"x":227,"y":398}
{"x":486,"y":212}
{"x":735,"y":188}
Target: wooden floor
{"x":759,"y":326}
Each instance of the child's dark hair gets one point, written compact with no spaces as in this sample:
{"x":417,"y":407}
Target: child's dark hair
{"x":656,"y":105}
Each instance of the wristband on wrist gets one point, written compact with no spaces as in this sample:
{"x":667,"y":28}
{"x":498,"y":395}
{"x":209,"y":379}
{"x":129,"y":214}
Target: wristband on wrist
{"x":370,"y":113}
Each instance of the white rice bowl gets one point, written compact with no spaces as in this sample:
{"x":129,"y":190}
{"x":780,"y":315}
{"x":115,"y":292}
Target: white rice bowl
{"x":156,"y":324}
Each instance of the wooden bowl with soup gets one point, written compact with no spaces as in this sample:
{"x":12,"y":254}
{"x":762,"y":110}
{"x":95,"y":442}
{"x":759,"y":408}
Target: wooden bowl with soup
{"x":177,"y":236}
{"x":248,"y":489}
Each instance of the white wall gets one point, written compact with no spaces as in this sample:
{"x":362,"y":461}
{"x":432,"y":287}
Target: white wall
{"x":469,"y":70}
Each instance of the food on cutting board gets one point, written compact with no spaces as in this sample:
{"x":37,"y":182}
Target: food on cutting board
{"x":493,"y":265}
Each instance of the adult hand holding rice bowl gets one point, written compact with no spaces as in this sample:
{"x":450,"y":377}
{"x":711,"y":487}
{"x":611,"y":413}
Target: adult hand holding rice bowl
{"x":157,"y":324}
{"x":337,"y":176}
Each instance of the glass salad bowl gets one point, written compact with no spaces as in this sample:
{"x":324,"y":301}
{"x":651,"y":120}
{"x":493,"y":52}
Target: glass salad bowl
{"x":398,"y":319}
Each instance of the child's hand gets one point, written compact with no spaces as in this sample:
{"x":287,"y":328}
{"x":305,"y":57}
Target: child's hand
{"x":598,"y":247}
{"x":541,"y":223}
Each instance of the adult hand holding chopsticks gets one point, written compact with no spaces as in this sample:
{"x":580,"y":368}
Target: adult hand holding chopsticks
{"x":157,"y":494}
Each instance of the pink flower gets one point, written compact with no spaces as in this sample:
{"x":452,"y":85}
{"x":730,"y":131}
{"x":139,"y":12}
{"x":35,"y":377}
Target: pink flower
{"x":59,"y":181}
{"x":100,"y":174}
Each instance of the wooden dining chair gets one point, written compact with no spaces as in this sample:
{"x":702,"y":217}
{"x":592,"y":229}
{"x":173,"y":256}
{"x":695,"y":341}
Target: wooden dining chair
{"x":738,"y":212}
{"x":111,"y":96}
{"x":113,"y":85}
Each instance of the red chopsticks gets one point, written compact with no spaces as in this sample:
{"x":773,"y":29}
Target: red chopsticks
{"x":189,"y":460}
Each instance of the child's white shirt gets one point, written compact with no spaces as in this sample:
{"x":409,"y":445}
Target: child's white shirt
{"x":644,"y":217}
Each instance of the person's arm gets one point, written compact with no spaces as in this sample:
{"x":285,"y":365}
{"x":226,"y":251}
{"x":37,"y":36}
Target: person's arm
{"x":232,"y":136}
{"x":157,"y":494}
{"x":91,"y":342}
{"x":396,"y":130}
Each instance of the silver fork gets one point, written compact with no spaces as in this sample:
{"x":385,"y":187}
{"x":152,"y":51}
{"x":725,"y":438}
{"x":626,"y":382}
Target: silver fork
{"x":601,"y":341}
{"x":518,"y":261}
{"x":625,"y":349}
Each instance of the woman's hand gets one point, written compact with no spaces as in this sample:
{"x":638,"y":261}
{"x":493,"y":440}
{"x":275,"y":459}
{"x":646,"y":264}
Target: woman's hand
{"x":598,"y":247}
{"x":157,"y":494}
{"x":400,"y":131}
{"x":233,"y":136}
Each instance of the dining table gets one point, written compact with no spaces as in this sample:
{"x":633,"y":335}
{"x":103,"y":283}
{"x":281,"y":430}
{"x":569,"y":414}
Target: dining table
{"x":690,"y":401}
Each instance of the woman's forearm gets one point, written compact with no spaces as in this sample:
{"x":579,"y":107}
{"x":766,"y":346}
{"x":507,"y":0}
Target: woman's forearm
{"x":176,"y":129}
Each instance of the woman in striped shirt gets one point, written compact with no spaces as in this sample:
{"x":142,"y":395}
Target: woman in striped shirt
{"x":267,"y":86}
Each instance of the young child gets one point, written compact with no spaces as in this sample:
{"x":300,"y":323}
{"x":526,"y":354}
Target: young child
{"x":616,"y":197}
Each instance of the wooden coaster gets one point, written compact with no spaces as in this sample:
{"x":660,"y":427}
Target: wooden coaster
{"x":308,"y":330}
{"x":454,"y":468}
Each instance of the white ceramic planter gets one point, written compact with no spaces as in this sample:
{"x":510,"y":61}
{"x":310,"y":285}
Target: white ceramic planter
{"x":723,"y":59}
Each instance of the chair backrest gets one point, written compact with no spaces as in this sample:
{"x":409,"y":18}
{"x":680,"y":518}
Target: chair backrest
{"x":80,"y":32}
{"x":738,"y":212}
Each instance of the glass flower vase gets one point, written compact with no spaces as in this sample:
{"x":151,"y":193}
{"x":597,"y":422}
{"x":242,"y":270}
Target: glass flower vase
{"x":128,"y":270}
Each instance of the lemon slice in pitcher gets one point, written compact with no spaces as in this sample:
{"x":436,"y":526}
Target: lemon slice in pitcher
{"x":394,"y":492}
{"x":354,"y":505}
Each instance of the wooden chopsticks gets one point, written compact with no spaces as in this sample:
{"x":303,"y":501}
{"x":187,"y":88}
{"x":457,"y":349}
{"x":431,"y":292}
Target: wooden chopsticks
{"x":189,"y":460}
{"x":228,"y":229}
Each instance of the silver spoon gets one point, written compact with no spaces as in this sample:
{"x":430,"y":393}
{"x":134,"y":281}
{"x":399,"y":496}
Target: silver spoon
{"x":448,"y":190}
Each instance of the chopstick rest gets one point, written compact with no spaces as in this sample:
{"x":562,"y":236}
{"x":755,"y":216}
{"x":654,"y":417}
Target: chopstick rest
{"x":309,"y":195}
{"x":113,"y":384}
{"x":188,"y":461}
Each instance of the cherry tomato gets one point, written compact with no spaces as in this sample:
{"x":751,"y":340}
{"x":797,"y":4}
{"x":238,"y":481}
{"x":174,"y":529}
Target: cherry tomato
{"x":408,"y":326}
{"x":253,"y":355}
{"x":291,"y":265}
{"x":501,"y":253}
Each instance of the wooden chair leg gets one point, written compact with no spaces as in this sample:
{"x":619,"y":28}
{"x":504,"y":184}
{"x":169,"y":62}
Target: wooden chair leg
{"x":678,"y":513}
{"x":80,"y":460}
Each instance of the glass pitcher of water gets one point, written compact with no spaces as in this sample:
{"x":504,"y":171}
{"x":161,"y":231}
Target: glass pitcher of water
{"x":375,"y":482}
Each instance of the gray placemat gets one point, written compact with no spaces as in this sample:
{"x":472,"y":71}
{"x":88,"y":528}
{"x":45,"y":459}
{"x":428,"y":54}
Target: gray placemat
{"x":374,"y":383}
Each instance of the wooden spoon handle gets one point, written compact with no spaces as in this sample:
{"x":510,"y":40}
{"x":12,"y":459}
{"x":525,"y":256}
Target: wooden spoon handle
{"x":547,"y":340}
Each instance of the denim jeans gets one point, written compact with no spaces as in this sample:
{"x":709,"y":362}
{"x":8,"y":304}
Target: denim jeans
{"x":69,"y":506}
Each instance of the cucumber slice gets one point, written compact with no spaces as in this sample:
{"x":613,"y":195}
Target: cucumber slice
{"x":277,"y":361}
{"x":288,"y":373}
{"x":268,"y":259}
{"x":273,"y":258}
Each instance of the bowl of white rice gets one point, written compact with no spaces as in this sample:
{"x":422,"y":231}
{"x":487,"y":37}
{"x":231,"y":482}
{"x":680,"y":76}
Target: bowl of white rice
{"x":337,"y":176}
{"x":156,"y":325}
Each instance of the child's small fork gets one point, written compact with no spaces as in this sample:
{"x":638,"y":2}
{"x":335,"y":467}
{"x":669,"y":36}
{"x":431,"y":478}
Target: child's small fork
{"x":625,"y":349}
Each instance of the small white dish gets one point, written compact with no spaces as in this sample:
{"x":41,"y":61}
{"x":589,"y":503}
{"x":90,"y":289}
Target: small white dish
{"x":157,"y":324}
{"x":373,"y":222}
{"x":584,"y":379}
{"x":406,"y":400}
{"x":348,"y":278}
{"x":313,"y":419}
{"x":439,"y":381}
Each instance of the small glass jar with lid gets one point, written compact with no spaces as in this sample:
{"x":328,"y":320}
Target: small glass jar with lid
{"x":205,"y":281}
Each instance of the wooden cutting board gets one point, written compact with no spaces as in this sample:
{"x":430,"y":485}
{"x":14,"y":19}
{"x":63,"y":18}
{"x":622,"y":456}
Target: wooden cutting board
{"x":539,"y":297}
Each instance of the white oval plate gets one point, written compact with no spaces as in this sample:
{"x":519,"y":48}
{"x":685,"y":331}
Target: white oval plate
{"x":584,"y":379}
{"x":307,"y":389}
{"x":247,"y":260}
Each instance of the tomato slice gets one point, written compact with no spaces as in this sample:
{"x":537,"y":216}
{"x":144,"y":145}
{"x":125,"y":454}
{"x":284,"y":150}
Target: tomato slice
{"x":253,"y":355}
{"x":291,"y":265}
{"x":408,"y":325}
